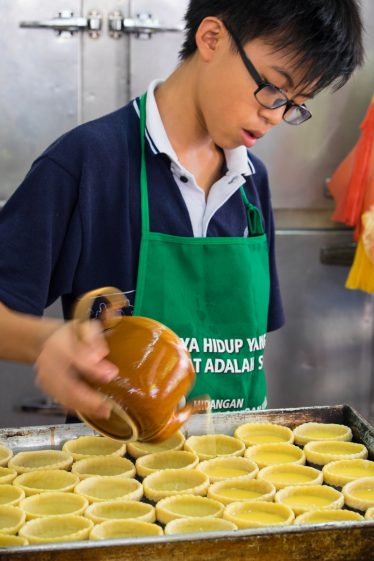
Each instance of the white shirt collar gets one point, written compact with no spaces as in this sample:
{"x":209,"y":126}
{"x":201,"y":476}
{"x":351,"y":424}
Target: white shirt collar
{"x":236,"y":159}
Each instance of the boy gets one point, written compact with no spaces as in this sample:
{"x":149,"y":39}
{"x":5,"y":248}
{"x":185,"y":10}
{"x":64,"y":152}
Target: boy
{"x":80,"y":218}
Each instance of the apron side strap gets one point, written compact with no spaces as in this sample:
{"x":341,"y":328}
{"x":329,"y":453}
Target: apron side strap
{"x":254,"y":217}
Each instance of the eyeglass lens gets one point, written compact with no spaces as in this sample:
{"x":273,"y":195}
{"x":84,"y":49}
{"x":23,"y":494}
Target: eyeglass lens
{"x":271,"y":97}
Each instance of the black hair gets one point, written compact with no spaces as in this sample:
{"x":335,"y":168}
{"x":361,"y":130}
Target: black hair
{"x":323,"y":36}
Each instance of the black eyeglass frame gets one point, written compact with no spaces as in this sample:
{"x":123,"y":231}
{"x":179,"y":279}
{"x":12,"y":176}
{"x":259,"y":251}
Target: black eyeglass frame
{"x":288,"y":103}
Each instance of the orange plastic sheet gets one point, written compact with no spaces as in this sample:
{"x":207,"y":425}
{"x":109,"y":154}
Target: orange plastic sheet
{"x":352,"y":184}
{"x":361,"y":276}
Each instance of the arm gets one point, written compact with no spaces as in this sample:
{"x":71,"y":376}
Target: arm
{"x":64,"y":362}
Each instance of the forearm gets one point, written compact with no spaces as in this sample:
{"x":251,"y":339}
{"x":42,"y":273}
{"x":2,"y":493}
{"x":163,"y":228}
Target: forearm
{"x":22,"y":336}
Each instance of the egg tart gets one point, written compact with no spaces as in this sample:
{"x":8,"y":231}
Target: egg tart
{"x":107,"y":466}
{"x":197,"y":525}
{"x":321,"y":453}
{"x":187,"y":506}
{"x":112,"y":529}
{"x":258,"y":514}
{"x":53,"y":503}
{"x":234,"y":490}
{"x":285,"y":475}
{"x":43,"y":481}
{"x":5,"y":455}
{"x":340,"y":472}
{"x":359,"y":494}
{"x":11,"y":495}
{"x":171,"y":459}
{"x":97,"y":489}
{"x":209,"y":446}
{"x":24,"y":462}
{"x":269,"y":454}
{"x":137,"y":449}
{"x":11,"y":519}
{"x":169,"y":482}
{"x":52,"y":529}
{"x":263,"y":433}
{"x":7,"y":475}
{"x":228,"y":467}
{"x":369,"y":514}
{"x":326,"y":516}
{"x":310,"y":497}
{"x":120,"y":510}
{"x":7,"y":540}
{"x":312,"y":432}
{"x":86,"y":446}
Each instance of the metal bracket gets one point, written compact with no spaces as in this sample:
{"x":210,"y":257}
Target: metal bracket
{"x":66,"y":24}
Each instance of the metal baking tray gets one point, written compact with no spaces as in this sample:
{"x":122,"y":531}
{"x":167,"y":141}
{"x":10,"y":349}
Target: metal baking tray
{"x":349,"y":541}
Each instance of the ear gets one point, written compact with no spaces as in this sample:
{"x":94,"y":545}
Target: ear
{"x":209,"y":37}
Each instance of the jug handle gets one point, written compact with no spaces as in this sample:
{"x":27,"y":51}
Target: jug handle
{"x":109,"y":318}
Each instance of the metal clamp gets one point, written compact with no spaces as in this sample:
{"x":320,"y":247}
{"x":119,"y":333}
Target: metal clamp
{"x":67,"y":24}
{"x":142,"y":26}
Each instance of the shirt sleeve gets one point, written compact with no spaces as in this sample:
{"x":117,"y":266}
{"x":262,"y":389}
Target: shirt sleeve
{"x":40,"y":238}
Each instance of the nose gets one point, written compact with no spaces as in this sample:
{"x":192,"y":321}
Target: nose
{"x":272,"y":117}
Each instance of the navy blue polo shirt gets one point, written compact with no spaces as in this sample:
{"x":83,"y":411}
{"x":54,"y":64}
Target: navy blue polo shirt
{"x":74,"y":223}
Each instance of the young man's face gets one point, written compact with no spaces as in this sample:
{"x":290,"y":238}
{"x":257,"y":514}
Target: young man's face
{"x":229,"y":109}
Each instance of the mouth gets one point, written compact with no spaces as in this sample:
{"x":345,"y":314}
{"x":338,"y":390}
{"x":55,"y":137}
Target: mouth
{"x":250,"y":137}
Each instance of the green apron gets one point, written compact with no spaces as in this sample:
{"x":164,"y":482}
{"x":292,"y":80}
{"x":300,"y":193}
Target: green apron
{"x":214,"y":293}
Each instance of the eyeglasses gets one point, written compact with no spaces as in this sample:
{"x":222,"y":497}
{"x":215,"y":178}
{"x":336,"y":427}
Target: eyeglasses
{"x":270,"y":96}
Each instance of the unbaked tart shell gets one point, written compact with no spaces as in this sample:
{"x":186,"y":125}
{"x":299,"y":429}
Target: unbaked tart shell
{"x":97,"y":489}
{"x":38,"y":460}
{"x":53,"y":529}
{"x":269,"y":454}
{"x":45,"y":481}
{"x":234,"y":490}
{"x":302,"y":498}
{"x":137,"y":449}
{"x":12,"y":541}
{"x":258,"y":514}
{"x":197,"y":525}
{"x":228,"y":467}
{"x":369,"y":514}
{"x":53,"y":504}
{"x":114,"y":529}
{"x":187,"y":506}
{"x":5,"y":455}
{"x":120,"y":510}
{"x":87,"y":446}
{"x":169,"y":482}
{"x":313,"y":432}
{"x":7,"y":475}
{"x":341,"y":472}
{"x":327,"y":515}
{"x":106,"y":466}
{"x":209,"y":446}
{"x":359,"y":494}
{"x":253,"y":434}
{"x":286,"y":475}
{"x":170,"y":459}
{"x":11,"y":494}
{"x":11,"y":519}
{"x":321,"y":453}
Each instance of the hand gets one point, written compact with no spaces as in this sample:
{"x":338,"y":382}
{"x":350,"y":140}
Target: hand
{"x":68,"y":362}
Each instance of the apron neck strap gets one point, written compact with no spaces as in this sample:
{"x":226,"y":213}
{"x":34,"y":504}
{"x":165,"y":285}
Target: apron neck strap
{"x":255,"y":225}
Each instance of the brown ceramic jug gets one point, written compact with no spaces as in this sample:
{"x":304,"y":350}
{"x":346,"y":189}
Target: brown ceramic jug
{"x":155,"y":373}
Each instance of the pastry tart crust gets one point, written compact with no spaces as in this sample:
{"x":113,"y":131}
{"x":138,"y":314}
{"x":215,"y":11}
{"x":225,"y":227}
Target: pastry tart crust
{"x":53,"y":504}
{"x":37,"y":460}
{"x":313,"y":432}
{"x":258,"y":514}
{"x":11,"y":519}
{"x":5,"y":455}
{"x":120,"y":510}
{"x":53,"y":529}
{"x":107,"y":466}
{"x":197,"y":525}
{"x":263,"y":433}
{"x":169,"y":482}
{"x":321,"y":453}
{"x":209,"y":446}
{"x":170,"y":459}
{"x":326,"y":516}
{"x":11,"y":494}
{"x":228,"y":467}
{"x":369,"y":514}
{"x":7,"y":540}
{"x":112,"y":529}
{"x":359,"y":494}
{"x":87,"y":446}
{"x":137,"y":449}
{"x":237,"y":490}
{"x":302,"y":498}
{"x":7,"y":475}
{"x":340,"y":472}
{"x":269,"y":454}
{"x":187,"y":506}
{"x":97,"y":489}
{"x":47,"y":480}
{"x":286,"y":475}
